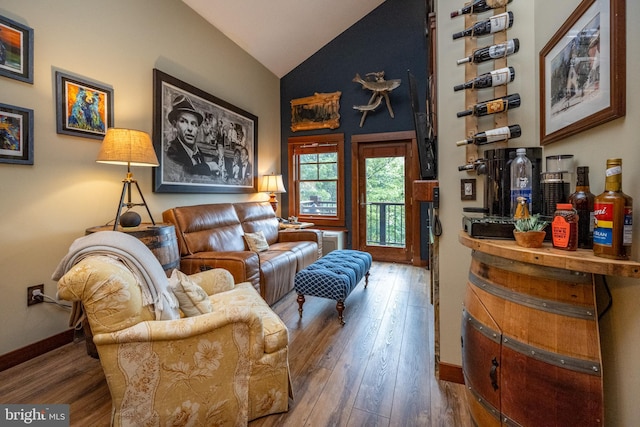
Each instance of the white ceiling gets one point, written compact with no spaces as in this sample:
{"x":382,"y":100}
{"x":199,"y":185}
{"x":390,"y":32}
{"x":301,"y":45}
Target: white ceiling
{"x":281,"y":34}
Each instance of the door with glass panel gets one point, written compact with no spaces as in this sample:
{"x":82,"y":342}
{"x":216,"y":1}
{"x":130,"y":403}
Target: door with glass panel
{"x":383,"y":208}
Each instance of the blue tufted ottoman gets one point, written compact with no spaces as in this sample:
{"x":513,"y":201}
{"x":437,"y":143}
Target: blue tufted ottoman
{"x":333,"y":276}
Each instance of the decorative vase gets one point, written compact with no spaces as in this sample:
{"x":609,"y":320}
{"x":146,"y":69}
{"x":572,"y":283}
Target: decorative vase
{"x":529,"y":239}
{"x":130,"y":219}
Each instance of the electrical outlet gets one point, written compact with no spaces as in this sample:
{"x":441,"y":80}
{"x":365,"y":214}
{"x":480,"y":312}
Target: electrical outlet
{"x":30,"y":299}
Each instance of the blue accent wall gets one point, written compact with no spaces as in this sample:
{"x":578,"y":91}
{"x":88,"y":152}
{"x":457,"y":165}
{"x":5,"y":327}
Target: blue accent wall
{"x":391,"y":39}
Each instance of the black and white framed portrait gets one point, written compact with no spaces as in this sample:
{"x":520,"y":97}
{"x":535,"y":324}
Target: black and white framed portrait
{"x":203,"y":144}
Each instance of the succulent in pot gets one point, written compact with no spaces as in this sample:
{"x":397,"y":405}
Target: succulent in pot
{"x":529,"y":232}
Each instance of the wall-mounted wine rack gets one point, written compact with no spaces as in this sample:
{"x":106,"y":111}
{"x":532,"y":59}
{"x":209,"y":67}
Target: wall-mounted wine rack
{"x":471,"y":95}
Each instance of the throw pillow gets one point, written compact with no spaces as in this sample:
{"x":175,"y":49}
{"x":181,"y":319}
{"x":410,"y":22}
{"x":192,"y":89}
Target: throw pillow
{"x":193,"y":300}
{"x":256,"y":241}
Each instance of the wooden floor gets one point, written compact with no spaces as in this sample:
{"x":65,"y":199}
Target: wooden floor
{"x":377,"y":370}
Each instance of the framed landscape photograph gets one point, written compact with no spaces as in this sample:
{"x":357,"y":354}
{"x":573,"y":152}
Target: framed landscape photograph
{"x":16,"y":50}
{"x":203,"y":144}
{"x":83,"y":107}
{"x":583,"y":71}
{"x":16,"y":135}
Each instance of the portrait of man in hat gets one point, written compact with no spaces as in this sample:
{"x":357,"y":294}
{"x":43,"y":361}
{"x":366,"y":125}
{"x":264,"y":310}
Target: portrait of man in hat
{"x":184,"y":150}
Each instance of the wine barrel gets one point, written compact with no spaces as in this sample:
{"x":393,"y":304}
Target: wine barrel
{"x":531,"y":347}
{"x":159,"y":238}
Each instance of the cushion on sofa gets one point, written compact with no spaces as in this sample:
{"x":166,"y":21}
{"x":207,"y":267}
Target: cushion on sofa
{"x":257,"y":216}
{"x":256,"y":241}
{"x":192,"y":299}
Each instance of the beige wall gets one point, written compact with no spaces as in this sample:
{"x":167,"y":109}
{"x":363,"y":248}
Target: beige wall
{"x":535,"y":23}
{"x":118,"y":42}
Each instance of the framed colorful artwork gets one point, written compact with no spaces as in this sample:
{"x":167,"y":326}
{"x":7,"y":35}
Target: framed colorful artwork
{"x":16,"y":50}
{"x":16,"y":135}
{"x":83,"y":108}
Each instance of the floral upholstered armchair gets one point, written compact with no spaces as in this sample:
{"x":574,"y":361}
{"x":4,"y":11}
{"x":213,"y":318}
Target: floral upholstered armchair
{"x":195,"y":350}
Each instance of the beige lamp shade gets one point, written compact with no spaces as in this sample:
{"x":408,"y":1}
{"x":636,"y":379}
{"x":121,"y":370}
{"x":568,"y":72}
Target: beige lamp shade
{"x":127,"y":147}
{"x":272,"y":184}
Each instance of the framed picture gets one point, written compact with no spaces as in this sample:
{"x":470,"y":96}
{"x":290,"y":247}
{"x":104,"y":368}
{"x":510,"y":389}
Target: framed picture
{"x":583,"y":71}
{"x":203,"y":144}
{"x":83,"y":108}
{"x":320,"y":111}
{"x":467,"y":189}
{"x":16,"y":50}
{"x":16,"y":135}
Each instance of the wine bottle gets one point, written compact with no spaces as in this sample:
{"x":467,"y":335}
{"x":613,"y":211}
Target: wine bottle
{"x":496,"y":23}
{"x":473,"y":166}
{"x":498,"y":77}
{"x":494,"y":135}
{"x":479,"y":6}
{"x":493,"y":106}
{"x":492,"y":52}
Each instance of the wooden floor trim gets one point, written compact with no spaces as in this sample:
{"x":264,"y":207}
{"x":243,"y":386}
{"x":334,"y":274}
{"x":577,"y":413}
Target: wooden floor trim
{"x":34,"y":350}
{"x":451,"y":373}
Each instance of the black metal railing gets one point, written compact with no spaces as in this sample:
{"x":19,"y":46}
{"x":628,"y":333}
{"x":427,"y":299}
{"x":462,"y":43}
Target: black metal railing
{"x":386,"y":224}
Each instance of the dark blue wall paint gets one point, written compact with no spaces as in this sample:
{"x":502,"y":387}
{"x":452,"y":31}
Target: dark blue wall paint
{"x":391,"y":39}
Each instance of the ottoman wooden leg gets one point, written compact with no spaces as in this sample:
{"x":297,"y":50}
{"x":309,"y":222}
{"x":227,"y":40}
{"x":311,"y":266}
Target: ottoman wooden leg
{"x":340,"y":308}
{"x":366,"y":280}
{"x":300,"y":303}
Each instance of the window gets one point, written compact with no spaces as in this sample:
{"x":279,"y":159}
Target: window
{"x":316,"y":179}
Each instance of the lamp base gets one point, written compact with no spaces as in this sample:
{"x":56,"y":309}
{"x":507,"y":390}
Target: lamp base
{"x":126,"y":189}
{"x":273,"y":201}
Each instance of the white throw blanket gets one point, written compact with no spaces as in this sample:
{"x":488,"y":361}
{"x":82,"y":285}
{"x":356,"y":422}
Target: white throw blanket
{"x":137,"y":257}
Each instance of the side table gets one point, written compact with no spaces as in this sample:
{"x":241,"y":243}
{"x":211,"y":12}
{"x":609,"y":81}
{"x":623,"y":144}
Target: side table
{"x":295,"y":225}
{"x":160,"y":238}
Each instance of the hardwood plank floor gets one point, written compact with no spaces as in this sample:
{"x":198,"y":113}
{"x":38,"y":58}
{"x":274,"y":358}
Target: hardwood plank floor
{"x":376,"y":370}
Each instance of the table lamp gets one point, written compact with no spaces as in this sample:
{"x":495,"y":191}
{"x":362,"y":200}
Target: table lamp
{"x":132,"y":148}
{"x":272,"y":184}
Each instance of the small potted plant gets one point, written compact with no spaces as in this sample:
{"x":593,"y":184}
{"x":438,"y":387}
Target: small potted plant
{"x":529,"y":232}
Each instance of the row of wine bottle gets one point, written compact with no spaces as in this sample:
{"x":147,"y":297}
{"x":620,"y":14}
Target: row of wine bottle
{"x":502,"y":76}
{"x":479,"y":6}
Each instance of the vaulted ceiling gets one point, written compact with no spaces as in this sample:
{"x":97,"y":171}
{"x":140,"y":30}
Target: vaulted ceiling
{"x":281,"y":34}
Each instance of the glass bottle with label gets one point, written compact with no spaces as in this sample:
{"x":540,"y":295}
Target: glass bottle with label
{"x":582,"y":200}
{"x":521,"y":174}
{"x":564,"y":228}
{"x":613,"y":216}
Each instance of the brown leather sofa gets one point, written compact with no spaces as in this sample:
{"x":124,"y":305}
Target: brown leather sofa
{"x":211,"y":236}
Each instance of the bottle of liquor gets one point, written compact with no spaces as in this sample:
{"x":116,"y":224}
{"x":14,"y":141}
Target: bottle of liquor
{"x":498,"y":77}
{"x":494,"y":135}
{"x":493,"y":106}
{"x":582,"y":200}
{"x":496,"y":23}
{"x":479,"y":6}
{"x":521,"y":180}
{"x":613,"y":212}
{"x":489,"y":53}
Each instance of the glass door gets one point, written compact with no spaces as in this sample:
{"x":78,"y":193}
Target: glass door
{"x":382,"y":201}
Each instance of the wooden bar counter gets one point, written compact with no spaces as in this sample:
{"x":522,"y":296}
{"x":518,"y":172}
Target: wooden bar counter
{"x":530,"y":339}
